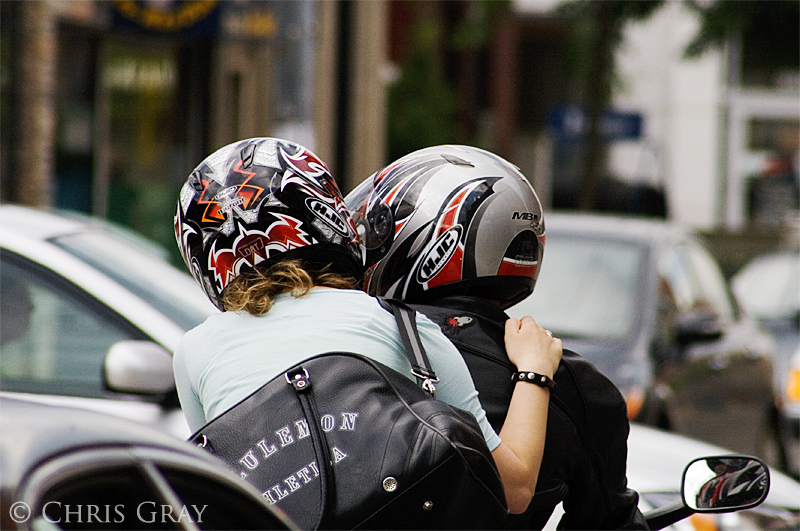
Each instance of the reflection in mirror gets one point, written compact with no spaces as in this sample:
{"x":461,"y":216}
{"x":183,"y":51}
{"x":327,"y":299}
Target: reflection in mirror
{"x":719,"y":484}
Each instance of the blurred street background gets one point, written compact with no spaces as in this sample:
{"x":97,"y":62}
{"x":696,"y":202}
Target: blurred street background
{"x":685,"y":112}
{"x":680,"y":109}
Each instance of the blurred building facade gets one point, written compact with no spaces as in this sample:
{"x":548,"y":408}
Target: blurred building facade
{"x":696,"y":140}
{"x":712,"y":124}
{"x":712,"y":128}
{"x":108,"y":105}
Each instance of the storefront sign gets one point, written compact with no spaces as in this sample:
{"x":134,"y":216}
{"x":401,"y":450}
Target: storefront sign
{"x":175,"y":16}
{"x":198,"y":18}
{"x":251,"y":20}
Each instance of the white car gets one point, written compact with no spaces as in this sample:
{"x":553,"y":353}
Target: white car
{"x":768,"y":288}
{"x":792,"y":415}
{"x":90,"y":316}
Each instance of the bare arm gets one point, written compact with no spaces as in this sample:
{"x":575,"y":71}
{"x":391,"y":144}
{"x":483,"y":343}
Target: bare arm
{"x":519,"y":455}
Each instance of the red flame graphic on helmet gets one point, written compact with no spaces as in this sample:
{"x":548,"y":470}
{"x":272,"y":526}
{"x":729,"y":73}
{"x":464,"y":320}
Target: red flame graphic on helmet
{"x":252,"y":247}
{"x":306,"y":163}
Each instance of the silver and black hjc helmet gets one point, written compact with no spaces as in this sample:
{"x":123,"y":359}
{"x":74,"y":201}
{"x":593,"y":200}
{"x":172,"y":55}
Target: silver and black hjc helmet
{"x":449,"y":220}
{"x":258,"y":201}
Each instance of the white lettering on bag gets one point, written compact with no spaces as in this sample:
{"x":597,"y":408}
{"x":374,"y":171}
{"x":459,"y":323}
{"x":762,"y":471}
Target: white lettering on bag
{"x":275,"y":493}
{"x":249,"y":460}
{"x":292,"y":483}
{"x":302,"y":429}
{"x":348,"y":421}
{"x":285,"y":437}
{"x":328,"y":422}
{"x":338,"y":455}
{"x":267,"y":450}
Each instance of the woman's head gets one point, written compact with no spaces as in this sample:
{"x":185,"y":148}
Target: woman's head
{"x":259,"y":202}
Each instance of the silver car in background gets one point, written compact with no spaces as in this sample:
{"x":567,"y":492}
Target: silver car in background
{"x":647,"y":303}
{"x":90,"y":316}
{"x":768,"y":288}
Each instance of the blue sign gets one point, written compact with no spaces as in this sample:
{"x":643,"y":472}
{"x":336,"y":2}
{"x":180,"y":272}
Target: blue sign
{"x":201,"y":18}
{"x":571,"y":123}
{"x":171,"y":17}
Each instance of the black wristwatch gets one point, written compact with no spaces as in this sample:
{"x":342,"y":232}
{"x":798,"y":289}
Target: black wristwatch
{"x":535,"y":378}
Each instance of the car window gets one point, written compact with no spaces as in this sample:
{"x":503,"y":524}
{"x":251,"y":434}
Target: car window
{"x":711,"y":283}
{"x":587,"y":288}
{"x":691,"y":280}
{"x":169,"y":290}
{"x":52,"y":340}
{"x":677,"y":287}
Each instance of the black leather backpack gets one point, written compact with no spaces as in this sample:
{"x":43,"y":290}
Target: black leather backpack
{"x":341,"y":441}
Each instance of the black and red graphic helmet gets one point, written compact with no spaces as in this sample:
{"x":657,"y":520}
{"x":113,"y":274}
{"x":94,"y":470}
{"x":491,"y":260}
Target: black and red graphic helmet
{"x":449,"y":220}
{"x":257,"y":201}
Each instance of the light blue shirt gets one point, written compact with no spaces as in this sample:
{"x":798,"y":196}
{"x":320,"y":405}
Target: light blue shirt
{"x":230,"y":355}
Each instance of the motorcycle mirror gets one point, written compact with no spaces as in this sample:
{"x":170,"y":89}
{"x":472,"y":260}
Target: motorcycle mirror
{"x":720,"y":484}
{"x":724,"y":483}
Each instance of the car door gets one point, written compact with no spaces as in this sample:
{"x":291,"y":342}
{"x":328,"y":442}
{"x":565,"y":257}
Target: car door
{"x":53,"y":342}
{"x":719,"y":380}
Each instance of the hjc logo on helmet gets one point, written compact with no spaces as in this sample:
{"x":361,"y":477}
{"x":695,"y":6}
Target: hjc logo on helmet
{"x":327,"y":214}
{"x":439,"y":254}
{"x":227,"y":193}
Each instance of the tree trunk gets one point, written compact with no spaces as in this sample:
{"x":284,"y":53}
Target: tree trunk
{"x":36,"y":143}
{"x":597,"y":94}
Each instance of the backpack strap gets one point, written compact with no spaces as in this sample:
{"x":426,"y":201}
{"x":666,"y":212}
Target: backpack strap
{"x":299,"y":380}
{"x":407,"y":324}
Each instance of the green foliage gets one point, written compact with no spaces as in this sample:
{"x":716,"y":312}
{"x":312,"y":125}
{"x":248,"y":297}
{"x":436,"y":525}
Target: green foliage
{"x":724,"y":18}
{"x":473,"y":31}
{"x":769,"y":31}
{"x":621,"y":11}
{"x":590,"y":19}
{"x":422,"y":105}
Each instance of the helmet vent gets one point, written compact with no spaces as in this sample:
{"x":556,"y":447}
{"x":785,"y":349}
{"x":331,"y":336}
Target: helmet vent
{"x":457,"y":161}
{"x":196,"y":182}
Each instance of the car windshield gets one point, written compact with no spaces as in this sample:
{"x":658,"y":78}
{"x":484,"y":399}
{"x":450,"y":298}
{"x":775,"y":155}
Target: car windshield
{"x":769,"y":287}
{"x":169,"y":290}
{"x":587,"y":288}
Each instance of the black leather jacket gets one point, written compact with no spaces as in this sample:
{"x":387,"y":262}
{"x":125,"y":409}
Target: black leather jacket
{"x":586,"y":447}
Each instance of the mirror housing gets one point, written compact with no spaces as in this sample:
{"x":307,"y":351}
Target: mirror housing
{"x":745,"y":485}
{"x":723,"y":484}
{"x":698,"y":326}
{"x":138,"y":367}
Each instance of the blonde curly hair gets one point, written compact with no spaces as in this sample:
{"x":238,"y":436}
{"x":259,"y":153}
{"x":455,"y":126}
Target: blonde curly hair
{"x":254,"y":291}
